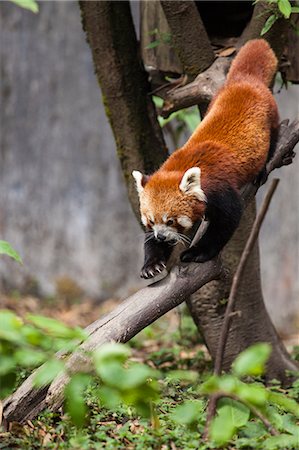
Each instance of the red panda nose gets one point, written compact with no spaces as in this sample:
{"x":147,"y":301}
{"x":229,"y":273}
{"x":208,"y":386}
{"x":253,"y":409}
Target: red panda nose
{"x":161,"y":237}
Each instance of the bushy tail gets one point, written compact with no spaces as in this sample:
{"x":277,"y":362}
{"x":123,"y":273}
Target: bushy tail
{"x":256,"y":59}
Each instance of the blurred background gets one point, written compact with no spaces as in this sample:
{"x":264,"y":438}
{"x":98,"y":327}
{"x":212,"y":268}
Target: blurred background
{"x":63,"y":204}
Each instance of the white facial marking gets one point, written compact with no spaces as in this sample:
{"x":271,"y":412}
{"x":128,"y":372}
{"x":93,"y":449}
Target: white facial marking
{"x":164,"y":218}
{"x":151,"y":217}
{"x":185,"y":222}
{"x":191,"y":184}
{"x":144,"y":220}
{"x":169,"y":232}
{"x":138,"y":180}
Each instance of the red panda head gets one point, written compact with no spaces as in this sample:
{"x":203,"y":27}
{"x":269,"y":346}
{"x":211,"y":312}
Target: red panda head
{"x":170,"y":202}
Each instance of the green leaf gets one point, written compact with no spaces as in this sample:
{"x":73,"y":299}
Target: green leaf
{"x":295,"y":9}
{"x":238,"y":412}
{"x":282,"y":441}
{"x":109,"y":397}
{"x":210,"y":386}
{"x":222,"y":428}
{"x":252,"y":360}
{"x":56,"y":328}
{"x":46,"y":374}
{"x":158,"y":101}
{"x":114,"y":375}
{"x":111,"y":352}
{"x":136,"y":376}
{"x":192,"y":121}
{"x":27,"y":4}
{"x":254,"y":430}
{"x":29,"y":357}
{"x":188,"y":412}
{"x":284,"y":402}
{"x":285,"y":8}
{"x":153,"y":44}
{"x":7,"y":365}
{"x":74,"y":394}
{"x":269,"y":23}
{"x":183,"y":375}
{"x":10,"y":326}
{"x":6,"y":249}
{"x":253,"y":393}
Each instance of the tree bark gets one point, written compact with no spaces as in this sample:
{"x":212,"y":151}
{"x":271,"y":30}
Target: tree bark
{"x":185,"y":23}
{"x":111,"y":35}
{"x":160,"y":58}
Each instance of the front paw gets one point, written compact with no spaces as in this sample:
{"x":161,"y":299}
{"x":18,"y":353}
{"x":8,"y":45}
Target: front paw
{"x":150,"y":270}
{"x":193,"y":254}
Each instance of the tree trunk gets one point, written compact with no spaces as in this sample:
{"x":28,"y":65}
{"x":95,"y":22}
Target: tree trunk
{"x":185,"y":23}
{"x":125,"y":87}
{"x":251,"y":322}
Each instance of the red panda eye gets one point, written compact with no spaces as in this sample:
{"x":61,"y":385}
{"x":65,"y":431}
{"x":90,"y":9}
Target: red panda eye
{"x":169,"y":222}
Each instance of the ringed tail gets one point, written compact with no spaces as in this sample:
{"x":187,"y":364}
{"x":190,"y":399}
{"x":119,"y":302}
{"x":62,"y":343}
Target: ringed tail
{"x":256,"y":59}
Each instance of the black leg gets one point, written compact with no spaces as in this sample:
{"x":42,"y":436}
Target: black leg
{"x":224,"y":210}
{"x":156,"y":255}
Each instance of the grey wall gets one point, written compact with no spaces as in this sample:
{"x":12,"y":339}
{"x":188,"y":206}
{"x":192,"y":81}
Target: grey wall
{"x":62,"y":199}
{"x":279,"y":238}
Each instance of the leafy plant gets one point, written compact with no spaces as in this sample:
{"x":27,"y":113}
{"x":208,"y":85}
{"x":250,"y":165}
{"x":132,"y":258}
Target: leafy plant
{"x":31,"y":5}
{"x":179,"y":122}
{"x":31,"y":342}
{"x":6,"y":249}
{"x":284,"y":10}
{"x":159,"y":38}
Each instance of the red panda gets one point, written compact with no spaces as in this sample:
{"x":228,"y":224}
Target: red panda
{"x":228,"y":149}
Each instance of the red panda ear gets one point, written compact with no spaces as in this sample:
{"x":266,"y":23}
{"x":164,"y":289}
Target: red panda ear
{"x":191,"y":184}
{"x":140,"y":180}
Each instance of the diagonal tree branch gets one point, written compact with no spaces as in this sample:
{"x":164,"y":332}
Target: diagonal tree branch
{"x":135,"y":313}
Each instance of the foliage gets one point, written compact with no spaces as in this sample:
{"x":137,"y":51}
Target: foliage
{"x":31,"y":5}
{"x":158,"y":403}
{"x":178,"y":123}
{"x":158,"y":39}
{"x":6,"y":249}
{"x":31,"y":342}
{"x":284,"y":10}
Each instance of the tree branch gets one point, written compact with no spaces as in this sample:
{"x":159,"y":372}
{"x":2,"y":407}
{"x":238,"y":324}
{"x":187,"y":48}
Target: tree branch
{"x":130,"y":317}
{"x":207,"y":83}
{"x":133,"y":314}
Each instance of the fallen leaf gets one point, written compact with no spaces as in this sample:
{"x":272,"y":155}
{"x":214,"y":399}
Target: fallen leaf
{"x":226,"y":51}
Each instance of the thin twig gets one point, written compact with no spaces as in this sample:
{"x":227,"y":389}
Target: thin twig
{"x":253,"y":409}
{"x":233,"y":295}
{"x":239,"y":273}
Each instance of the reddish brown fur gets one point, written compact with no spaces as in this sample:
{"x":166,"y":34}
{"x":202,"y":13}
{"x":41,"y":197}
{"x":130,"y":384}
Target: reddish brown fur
{"x":231,"y":144}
